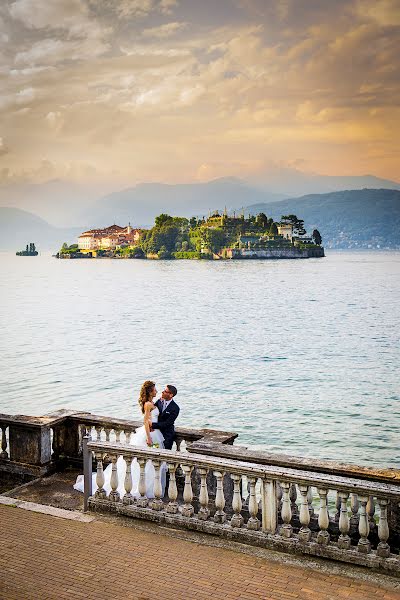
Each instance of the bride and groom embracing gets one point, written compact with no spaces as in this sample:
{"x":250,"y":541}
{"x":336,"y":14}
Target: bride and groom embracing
{"x":158,"y":430}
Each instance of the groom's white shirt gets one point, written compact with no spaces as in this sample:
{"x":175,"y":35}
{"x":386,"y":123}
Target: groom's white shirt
{"x":164,"y":404}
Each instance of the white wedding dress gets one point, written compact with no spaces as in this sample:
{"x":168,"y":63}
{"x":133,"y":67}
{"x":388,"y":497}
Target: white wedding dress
{"x":138,"y":439}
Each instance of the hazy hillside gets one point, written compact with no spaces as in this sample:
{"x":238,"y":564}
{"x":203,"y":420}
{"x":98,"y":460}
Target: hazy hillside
{"x":142,"y":203}
{"x":349,"y":219}
{"x":67,"y":204}
{"x":18,"y":228}
{"x":296,"y":183}
{"x":60,"y":203}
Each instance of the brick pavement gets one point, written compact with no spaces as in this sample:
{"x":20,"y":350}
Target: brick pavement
{"x":45,"y":557}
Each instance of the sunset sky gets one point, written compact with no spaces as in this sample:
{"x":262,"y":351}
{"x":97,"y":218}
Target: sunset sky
{"x":124,"y":91}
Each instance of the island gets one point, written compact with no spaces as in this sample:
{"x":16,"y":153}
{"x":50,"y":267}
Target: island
{"x":29,"y":251}
{"x":217,"y":237}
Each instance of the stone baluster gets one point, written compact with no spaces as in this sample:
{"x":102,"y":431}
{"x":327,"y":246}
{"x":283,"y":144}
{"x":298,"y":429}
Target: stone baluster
{"x":117,"y":435}
{"x":363,"y":545}
{"x":114,"y":494}
{"x":344,"y":541}
{"x":323,"y":536}
{"x":293,"y":498}
{"x":100,"y":492}
{"x":220,"y":515}
{"x":310,"y":500}
{"x":305,"y":531}
{"x":237,"y":519}
{"x":128,"y":498}
{"x":108,"y":431}
{"x":142,"y":501}
{"x":269,"y":506}
{"x":98,"y":431}
{"x":354,"y":509}
{"x":371,"y":512}
{"x":204,"y":511}
{"x":157,"y":503}
{"x":383,"y":548}
{"x":286,"y":512}
{"x":127,"y":436}
{"x":178,"y":443}
{"x":172,"y":506}
{"x":253,"y":522}
{"x":4,"y":453}
{"x":187,"y":508}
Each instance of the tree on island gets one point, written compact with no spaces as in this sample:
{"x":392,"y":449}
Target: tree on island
{"x":317,"y":237}
{"x":162,"y":220}
{"x":262,"y":220}
{"x":298,"y":224}
{"x":273,"y":230}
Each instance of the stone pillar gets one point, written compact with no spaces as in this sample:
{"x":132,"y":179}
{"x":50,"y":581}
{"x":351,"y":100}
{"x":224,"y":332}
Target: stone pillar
{"x":66,"y":440}
{"x":30,"y":445}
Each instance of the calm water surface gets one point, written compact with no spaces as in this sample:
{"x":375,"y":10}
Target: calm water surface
{"x":299,"y":357}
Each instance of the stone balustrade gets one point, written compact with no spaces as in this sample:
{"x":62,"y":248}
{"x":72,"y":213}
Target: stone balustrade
{"x":294,"y":504}
{"x":37,"y":446}
{"x":272,"y":506}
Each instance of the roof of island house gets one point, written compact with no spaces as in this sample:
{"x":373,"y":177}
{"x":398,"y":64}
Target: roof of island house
{"x":111,"y":230}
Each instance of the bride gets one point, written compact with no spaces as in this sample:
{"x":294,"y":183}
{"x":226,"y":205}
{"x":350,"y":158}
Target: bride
{"x":143,"y":437}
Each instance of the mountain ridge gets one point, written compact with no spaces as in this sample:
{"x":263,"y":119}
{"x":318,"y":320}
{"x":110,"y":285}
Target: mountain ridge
{"x":347,"y":219}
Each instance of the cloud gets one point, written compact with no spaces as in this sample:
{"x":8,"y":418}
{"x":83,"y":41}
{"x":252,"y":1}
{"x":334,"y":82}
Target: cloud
{"x":384,"y":12}
{"x":305,"y":80}
{"x":142,"y":8}
{"x":164,"y":31}
{"x":3,"y":148}
{"x":52,"y":51}
{"x":54,"y":14}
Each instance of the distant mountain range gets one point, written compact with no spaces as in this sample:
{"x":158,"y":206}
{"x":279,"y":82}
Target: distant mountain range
{"x":66,"y":204}
{"x":19,"y":228}
{"x":348,"y":219}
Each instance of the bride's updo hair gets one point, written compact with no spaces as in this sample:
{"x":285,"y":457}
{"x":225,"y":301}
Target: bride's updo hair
{"x":144,"y":395}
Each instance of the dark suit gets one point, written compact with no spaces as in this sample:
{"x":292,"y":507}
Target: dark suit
{"x":166,"y":422}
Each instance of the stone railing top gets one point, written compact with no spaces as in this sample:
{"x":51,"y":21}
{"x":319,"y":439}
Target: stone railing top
{"x":31,"y":421}
{"x":243,"y":453}
{"x":278,"y":473}
{"x":188,"y":433}
{"x":86,"y":418}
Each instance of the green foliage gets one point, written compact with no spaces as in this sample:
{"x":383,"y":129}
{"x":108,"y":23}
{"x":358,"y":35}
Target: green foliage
{"x":192,"y":255}
{"x":162,"y":220}
{"x":214,"y":239}
{"x":65,"y":249}
{"x":164,"y":253}
{"x":317,"y":237}
{"x":273,"y":230}
{"x":298,"y":224}
{"x":178,"y":237}
{"x":262,"y":220}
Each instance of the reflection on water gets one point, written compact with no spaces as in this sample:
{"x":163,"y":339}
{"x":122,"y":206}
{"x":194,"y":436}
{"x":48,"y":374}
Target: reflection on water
{"x":298,"y":357}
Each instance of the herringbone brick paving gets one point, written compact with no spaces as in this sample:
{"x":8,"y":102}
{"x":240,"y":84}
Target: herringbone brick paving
{"x":48,"y":558}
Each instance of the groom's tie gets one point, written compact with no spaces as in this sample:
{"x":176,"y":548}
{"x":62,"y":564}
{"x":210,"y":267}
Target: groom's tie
{"x":163,"y":405}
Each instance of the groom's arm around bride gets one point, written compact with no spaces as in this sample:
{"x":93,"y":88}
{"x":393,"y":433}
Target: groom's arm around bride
{"x":169,"y":411}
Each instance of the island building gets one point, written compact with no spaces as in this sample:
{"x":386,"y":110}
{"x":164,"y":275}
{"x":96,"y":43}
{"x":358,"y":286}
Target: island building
{"x":110,"y":238}
{"x":286,"y":231}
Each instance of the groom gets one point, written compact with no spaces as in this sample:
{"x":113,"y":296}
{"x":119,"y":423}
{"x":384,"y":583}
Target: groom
{"x":169,"y":411}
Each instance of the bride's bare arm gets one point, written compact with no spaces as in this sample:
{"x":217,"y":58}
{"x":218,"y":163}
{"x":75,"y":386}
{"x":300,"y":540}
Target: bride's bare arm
{"x":148,"y":407}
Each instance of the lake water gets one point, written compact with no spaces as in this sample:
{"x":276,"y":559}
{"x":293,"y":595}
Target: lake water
{"x":297,"y":356}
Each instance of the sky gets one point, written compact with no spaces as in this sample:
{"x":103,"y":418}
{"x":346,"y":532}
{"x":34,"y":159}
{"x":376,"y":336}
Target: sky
{"x":124,"y":91}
